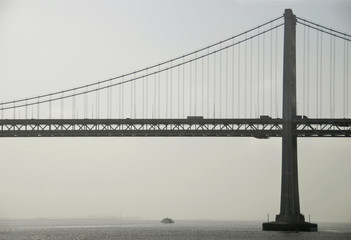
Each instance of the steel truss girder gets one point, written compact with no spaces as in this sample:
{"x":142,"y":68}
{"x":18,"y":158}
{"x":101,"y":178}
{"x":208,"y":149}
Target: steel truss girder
{"x":259,"y":128}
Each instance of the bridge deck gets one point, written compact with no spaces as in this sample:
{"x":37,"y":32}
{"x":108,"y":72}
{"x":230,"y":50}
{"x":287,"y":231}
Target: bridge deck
{"x":192,"y":126}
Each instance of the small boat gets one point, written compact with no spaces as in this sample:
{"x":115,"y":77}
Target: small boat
{"x":167,"y":220}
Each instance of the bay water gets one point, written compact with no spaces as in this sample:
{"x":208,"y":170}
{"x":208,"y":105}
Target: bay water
{"x":123,"y":229}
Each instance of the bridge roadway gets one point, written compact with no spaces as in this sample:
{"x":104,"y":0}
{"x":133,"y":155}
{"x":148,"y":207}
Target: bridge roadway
{"x":263,"y":127}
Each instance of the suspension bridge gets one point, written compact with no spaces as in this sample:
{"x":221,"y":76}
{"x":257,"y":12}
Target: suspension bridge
{"x":230,"y":88}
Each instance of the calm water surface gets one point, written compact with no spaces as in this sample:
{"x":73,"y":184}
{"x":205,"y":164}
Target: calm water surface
{"x":126,"y":229}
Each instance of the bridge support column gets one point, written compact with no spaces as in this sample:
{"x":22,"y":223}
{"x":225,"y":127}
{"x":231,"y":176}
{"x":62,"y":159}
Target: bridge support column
{"x":289,"y":218}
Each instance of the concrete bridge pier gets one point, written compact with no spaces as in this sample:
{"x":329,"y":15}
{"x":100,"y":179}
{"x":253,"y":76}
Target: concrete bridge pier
{"x":289,"y":218}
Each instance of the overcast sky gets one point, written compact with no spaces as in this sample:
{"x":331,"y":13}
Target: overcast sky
{"x":52,"y":45}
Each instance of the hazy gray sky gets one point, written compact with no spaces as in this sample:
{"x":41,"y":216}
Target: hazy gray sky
{"x":52,"y":45}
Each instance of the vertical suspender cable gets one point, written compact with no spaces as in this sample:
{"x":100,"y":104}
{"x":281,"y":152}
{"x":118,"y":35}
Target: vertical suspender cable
{"x":26,"y":112}
{"x":14,"y":109}
{"x":303,"y":71}
{"x":331,"y":77}
{"x":147,"y":96}
{"x":214,"y":85}
{"x":86,"y":103}
{"x":245,"y":80}
{"x":134,"y":90}
{"x":74,"y":105}
{"x":183,"y":92}
{"x":37,"y":108}
{"x":347,"y":80}
{"x":258,"y":74}
{"x":220,"y":80}
{"x":61,"y":106}
{"x":251,"y":78}
{"x":171,"y":91}
{"x":233,"y":79}
{"x":263,"y":72}
{"x":159,"y":92}
{"x":226,"y":83}
{"x":276,"y":73}
{"x":202,"y":89}
{"x":344,"y":85}
{"x":321,"y":79}
{"x":50,"y":107}
{"x":308,"y":72}
{"x":334,"y":77}
{"x":143,"y":99}
{"x":190,"y":87}
{"x":271,"y":75}
{"x":208,"y":83}
{"x":118,"y":102}
{"x":195,"y":85}
{"x":97,"y":101}
{"x":154,"y":103}
{"x":166,"y":72}
{"x":238,"y":80}
{"x":122,"y":101}
{"x":178,"y":91}
{"x":131,"y":99}
{"x":317,"y":72}
{"x":108,"y":102}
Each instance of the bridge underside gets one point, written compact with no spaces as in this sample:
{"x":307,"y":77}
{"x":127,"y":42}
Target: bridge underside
{"x":259,"y":128}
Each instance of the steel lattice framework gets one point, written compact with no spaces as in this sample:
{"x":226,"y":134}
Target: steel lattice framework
{"x":197,"y":127}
